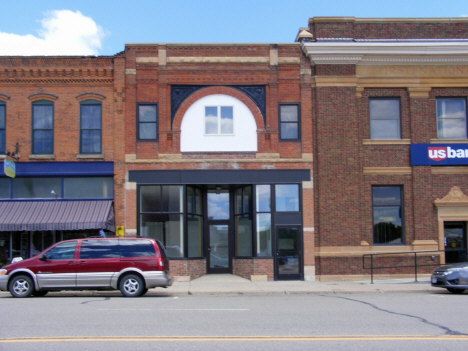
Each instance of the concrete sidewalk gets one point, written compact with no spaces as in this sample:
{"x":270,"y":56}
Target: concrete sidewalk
{"x":226,"y":284}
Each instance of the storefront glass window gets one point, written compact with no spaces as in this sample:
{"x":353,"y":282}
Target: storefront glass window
{"x":194,"y":222}
{"x":158,"y":219}
{"x":89,"y":187}
{"x":243,"y":221}
{"x":263,"y":234}
{"x":37,"y":188}
{"x":287,"y":197}
{"x":4,"y":188}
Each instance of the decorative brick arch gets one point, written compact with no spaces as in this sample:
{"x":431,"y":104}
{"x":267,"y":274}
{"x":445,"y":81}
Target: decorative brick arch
{"x":213,"y":91}
{"x":42,"y":96}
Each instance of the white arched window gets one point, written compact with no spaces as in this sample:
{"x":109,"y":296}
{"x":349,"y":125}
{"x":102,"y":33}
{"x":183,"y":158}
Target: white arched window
{"x":218,"y":123}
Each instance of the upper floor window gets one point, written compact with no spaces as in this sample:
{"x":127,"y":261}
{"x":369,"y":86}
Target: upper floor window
{"x":90,"y":127}
{"x":384,"y":118}
{"x":289,"y":120}
{"x":42,"y":127}
{"x":219,"y":120}
{"x":451,"y":118}
{"x":387,"y":214}
{"x":2,"y":127}
{"x":147,"y":121}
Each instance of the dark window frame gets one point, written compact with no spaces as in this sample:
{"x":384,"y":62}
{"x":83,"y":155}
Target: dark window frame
{"x":375,"y":98}
{"x":3,"y":147}
{"x":42,"y":103}
{"x":401,"y":211}
{"x":298,"y":105}
{"x":88,"y":103}
{"x":438,"y":98}
{"x":161,"y":212}
{"x":138,"y":122}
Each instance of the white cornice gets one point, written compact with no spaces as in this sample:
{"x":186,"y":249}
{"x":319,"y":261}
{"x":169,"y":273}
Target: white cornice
{"x":387,"y":52}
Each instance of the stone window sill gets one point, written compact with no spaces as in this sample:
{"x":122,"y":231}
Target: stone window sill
{"x":386,"y":142}
{"x":90,"y":157}
{"x":42,"y":157}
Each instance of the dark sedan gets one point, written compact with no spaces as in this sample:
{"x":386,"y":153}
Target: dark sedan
{"x":452,"y":277}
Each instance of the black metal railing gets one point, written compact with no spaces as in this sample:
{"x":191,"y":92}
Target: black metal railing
{"x":451,"y":256}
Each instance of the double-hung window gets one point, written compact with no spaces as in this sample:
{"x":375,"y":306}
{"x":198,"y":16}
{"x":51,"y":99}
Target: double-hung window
{"x":384,"y":116}
{"x":289,"y":120}
{"x":43,"y":127}
{"x":387,"y":215}
{"x":219,"y":120}
{"x":2,"y":127}
{"x":147,"y":122}
{"x":90,"y":127}
{"x":451,"y":118}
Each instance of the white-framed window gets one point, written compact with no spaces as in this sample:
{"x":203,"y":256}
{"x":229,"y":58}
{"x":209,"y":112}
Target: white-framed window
{"x":218,"y":123}
{"x":219,"y":120}
{"x":451,"y":118}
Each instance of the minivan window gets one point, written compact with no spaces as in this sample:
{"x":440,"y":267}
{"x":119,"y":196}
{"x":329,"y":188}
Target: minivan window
{"x":63,"y":251}
{"x":99,"y":249}
{"x":136,"y":248}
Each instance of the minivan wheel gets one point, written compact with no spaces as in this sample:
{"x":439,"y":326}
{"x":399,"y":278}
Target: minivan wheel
{"x":131,"y":285}
{"x":21,"y":286}
{"x":455,"y":290}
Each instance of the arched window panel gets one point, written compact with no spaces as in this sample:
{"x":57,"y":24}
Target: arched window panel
{"x":218,"y":123}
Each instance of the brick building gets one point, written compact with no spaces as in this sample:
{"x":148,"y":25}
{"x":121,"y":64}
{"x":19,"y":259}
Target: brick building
{"x":218,"y":156}
{"x":61,"y":118}
{"x":390,"y":140}
{"x":268,"y":161}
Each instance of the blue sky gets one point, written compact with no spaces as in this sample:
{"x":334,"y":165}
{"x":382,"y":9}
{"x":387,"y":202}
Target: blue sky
{"x":102,"y":27}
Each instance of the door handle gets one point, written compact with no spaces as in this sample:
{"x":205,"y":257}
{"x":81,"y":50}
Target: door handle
{"x":71,"y":263}
{"x":82,"y":262}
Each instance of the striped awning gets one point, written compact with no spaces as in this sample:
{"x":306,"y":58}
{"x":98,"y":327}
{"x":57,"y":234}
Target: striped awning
{"x":56,"y":215}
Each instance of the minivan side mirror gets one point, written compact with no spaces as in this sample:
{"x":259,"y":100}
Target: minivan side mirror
{"x":43,"y":258}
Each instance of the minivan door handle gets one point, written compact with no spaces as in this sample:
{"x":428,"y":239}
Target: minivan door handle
{"x":82,"y":262}
{"x":71,"y":263}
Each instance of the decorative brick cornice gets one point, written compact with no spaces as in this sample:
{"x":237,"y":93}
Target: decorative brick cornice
{"x":42,"y":96}
{"x":90,"y":96}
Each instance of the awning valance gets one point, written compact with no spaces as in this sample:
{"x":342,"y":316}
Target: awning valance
{"x":56,"y":215}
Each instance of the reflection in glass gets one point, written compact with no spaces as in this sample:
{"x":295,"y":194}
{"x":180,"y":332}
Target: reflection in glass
{"x":263,"y":234}
{"x":88,"y":187}
{"x":167,"y":228}
{"x":150,"y":198}
{"x":384,"y":118}
{"x":219,"y":246}
{"x":451,"y":118}
{"x":287,"y":197}
{"x":211,"y":120}
{"x":263,"y":198}
{"x":244,"y":236}
{"x":4,"y":188}
{"x":218,"y":204}
{"x":147,"y":120}
{"x":227,"y":126}
{"x":195,"y":235}
{"x":387,"y":215}
{"x":288,"y":255}
{"x":36,"y":188}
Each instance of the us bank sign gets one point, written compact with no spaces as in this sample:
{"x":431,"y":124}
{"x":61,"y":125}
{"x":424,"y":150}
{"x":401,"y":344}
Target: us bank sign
{"x":439,"y":154}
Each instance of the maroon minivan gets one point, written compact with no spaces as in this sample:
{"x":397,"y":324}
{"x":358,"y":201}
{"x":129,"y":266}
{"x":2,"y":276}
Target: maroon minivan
{"x":132,"y":265}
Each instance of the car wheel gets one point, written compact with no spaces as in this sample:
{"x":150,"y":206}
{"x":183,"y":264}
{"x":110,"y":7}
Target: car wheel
{"x":456,"y":291}
{"x":131,"y":285}
{"x":21,"y":286}
{"x":40,"y":293}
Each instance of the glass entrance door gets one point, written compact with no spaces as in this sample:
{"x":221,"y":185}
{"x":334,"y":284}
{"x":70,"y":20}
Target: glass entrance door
{"x":455,"y":242}
{"x":218,"y":230}
{"x":288,"y":258}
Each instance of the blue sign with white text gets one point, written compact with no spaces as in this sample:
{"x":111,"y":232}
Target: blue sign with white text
{"x":439,"y":154}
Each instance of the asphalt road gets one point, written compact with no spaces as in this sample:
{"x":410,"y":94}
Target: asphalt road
{"x":394,"y":321}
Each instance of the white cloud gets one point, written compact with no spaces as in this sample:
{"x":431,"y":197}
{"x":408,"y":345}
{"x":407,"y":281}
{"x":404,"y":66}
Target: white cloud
{"x":63,"y":33}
